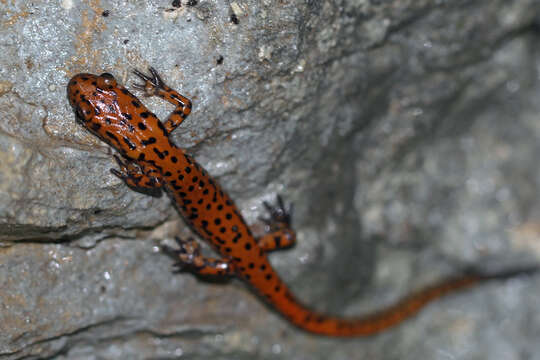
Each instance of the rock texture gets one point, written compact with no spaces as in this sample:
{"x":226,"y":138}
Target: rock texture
{"x":405,"y":132}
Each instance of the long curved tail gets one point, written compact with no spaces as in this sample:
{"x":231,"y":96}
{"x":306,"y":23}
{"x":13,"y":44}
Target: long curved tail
{"x":371,"y":324}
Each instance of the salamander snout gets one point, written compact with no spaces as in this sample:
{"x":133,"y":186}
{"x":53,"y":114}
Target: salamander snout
{"x":80,"y":88}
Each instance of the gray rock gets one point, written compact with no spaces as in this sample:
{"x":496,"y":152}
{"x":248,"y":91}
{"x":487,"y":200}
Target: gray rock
{"x":405,"y":132}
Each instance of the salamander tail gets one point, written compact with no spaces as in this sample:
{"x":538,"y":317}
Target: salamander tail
{"x":393,"y":315}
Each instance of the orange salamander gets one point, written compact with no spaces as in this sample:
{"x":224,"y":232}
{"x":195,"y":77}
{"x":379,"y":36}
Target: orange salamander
{"x":150,"y":162}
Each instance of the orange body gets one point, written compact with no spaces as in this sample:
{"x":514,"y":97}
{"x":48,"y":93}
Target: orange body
{"x":150,"y":161}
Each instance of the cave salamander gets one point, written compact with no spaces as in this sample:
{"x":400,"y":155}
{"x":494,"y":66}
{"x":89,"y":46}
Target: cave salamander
{"x":150,"y":162}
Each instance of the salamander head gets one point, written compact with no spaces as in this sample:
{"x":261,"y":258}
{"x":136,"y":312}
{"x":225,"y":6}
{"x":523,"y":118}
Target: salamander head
{"x":84,"y":90}
{"x":111,"y":112}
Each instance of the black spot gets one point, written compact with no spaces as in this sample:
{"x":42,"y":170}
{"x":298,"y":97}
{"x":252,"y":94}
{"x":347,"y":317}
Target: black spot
{"x":195,"y":179}
{"x":205,"y":192}
{"x":136,"y":103}
{"x":151,"y":140}
{"x":180,"y":177}
{"x":180,"y":113}
{"x":141,"y":126}
{"x":217,"y":221}
{"x":268,"y":276}
{"x":188,"y":159}
{"x":193,"y":216}
{"x":228,"y":249}
{"x":263,"y":267}
{"x":127,"y":116}
{"x":129,"y":143}
{"x":220,"y":207}
{"x":220,"y":240}
{"x":124,"y":91}
{"x":289,"y":296}
{"x":187,"y":169}
{"x":251,"y":265}
{"x":234,"y":228}
{"x":174,"y":159}
{"x":277,"y":288}
{"x":111,"y":135}
{"x":235,"y":239}
{"x":145,"y":114}
{"x":141,"y":156}
{"x":159,"y":153}
{"x":191,"y":188}
{"x":228,"y":202}
{"x":96,"y":126}
{"x":167,"y":173}
{"x":187,"y":202}
{"x":201,"y":183}
{"x":200,"y":201}
{"x":162,"y":128}
{"x":247,"y":246}
{"x":182,"y":194}
{"x":222,"y":230}
{"x":208,"y":207}
{"x":228,"y":216}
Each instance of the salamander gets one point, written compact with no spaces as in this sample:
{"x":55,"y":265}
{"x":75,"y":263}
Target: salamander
{"x":150,"y":162}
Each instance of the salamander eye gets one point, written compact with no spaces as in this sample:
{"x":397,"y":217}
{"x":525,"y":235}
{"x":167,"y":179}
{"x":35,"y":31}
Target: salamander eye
{"x":108,"y":79}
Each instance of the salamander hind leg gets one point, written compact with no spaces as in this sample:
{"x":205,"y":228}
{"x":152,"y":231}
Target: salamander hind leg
{"x":143,"y":178}
{"x":154,"y":86}
{"x":188,"y":257}
{"x":280,"y":234}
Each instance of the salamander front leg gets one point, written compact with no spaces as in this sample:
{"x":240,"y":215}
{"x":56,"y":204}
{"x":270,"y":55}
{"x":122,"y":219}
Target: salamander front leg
{"x":146,"y":179}
{"x":280,"y":235}
{"x":154,"y":86}
{"x":188,"y":257}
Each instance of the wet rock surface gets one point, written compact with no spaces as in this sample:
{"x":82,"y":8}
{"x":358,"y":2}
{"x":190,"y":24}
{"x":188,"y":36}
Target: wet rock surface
{"x":405,"y":132}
